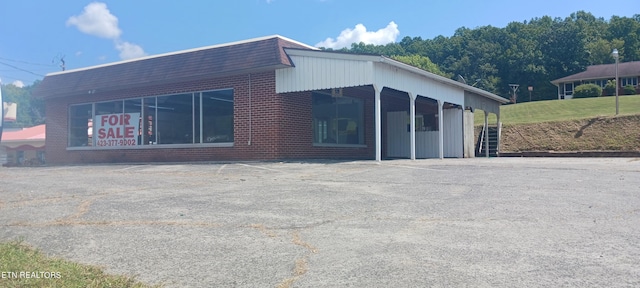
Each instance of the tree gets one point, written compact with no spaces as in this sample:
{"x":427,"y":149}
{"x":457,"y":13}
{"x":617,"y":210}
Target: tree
{"x":421,"y":62}
{"x":30,"y":111}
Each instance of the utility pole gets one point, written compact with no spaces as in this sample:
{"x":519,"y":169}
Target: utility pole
{"x":514,"y":90}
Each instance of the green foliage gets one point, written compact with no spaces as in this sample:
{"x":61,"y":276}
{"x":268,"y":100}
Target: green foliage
{"x":587,"y":91}
{"x":421,"y":62}
{"x":629,"y":90}
{"x":16,"y":257}
{"x":562,"y":110}
{"x":610,"y":88}
{"x":30,"y":110}
{"x":514,"y":54}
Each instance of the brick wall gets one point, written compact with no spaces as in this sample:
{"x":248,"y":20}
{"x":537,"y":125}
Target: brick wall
{"x":267,"y":126}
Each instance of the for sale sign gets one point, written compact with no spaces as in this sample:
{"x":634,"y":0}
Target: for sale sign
{"x":115,"y":130}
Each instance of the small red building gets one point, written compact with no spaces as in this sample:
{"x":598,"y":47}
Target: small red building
{"x":259,"y":99}
{"x":25,"y":146}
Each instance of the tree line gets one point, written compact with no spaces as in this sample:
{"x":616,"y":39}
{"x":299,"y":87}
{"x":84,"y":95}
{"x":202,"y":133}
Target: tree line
{"x":526,"y":53}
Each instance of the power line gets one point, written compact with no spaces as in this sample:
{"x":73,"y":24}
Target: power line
{"x":24,"y":70}
{"x":25,"y":62}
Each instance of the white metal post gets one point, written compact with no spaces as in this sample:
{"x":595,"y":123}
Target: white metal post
{"x":440,"y":130}
{"x":499,"y":128}
{"x":378,"y":119}
{"x":486,"y":134}
{"x":412,"y":130}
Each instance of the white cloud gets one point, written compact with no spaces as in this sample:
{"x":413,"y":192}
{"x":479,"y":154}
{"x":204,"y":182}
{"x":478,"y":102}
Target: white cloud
{"x":18,"y":83}
{"x":360,"y":34}
{"x":96,"y":20}
{"x":129,"y":50}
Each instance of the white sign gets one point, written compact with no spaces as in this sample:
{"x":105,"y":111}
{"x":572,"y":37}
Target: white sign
{"x":116,"y":130}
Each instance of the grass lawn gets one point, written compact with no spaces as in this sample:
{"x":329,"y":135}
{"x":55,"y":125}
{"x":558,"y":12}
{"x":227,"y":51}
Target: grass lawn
{"x":562,"y":110}
{"x":22,"y":266}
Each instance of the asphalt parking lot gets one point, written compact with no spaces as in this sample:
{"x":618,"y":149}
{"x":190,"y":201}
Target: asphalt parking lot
{"x":500,"y":222}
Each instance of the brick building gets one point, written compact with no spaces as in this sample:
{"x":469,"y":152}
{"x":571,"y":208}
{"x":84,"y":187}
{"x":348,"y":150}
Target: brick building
{"x":259,"y":99}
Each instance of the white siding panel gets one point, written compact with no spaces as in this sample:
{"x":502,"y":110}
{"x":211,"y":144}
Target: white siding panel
{"x":427,"y":144}
{"x":453,"y":133}
{"x":397,"y":136}
{"x":399,"y":139}
{"x":313,"y":73}
{"x":393,"y":77}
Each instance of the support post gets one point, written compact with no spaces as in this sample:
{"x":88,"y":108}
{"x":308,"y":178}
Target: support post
{"x":378,"y":120}
{"x":499,"y":127}
{"x":440,"y":130}
{"x":486,"y":133}
{"x":412,"y":130}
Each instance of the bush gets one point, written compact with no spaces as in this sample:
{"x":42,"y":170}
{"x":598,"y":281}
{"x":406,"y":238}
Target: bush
{"x":587,"y":90}
{"x":629,"y":90}
{"x":610,"y":88}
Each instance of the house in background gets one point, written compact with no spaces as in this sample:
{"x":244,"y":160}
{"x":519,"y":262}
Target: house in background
{"x":628,"y":73}
{"x":24,"y":146}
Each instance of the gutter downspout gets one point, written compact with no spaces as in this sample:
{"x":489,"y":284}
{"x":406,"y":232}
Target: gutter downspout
{"x":250,"y":109}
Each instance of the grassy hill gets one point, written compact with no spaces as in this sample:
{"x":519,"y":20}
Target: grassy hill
{"x":563,"y":110}
{"x":570,"y":125}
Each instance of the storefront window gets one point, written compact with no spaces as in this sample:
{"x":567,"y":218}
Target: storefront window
{"x":80,"y":125}
{"x":193,"y":118}
{"x":175,"y":119}
{"x":337,"y":120}
{"x":217,"y":116}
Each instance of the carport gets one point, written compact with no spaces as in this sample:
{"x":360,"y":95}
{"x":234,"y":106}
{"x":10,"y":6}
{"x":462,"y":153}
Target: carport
{"x":449,"y":103}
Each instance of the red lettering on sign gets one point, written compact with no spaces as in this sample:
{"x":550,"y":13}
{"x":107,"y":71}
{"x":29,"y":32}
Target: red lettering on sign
{"x":128,"y":131}
{"x":103,"y":119}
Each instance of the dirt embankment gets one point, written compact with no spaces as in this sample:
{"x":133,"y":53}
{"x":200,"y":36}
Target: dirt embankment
{"x":602,"y":133}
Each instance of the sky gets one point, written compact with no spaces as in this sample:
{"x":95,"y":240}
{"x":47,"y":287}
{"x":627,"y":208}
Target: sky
{"x":37,"y":36}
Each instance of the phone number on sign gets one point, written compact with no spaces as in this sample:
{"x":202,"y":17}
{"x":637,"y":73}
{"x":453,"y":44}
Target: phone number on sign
{"x":116,"y":142}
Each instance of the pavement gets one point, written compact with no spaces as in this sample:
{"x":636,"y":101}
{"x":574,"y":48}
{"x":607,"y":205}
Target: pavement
{"x":499,"y":222}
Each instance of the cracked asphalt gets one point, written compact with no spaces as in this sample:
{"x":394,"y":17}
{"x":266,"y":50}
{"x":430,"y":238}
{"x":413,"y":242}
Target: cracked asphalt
{"x":500,"y":222}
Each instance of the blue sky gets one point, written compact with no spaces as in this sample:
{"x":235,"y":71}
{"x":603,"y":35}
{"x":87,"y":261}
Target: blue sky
{"x":36,"y":34}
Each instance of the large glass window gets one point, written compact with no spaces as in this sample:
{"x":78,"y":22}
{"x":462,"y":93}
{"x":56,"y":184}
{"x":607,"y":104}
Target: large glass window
{"x":337,"y":120}
{"x":217,"y":116}
{"x":192,"y":118}
{"x":80,"y":125}
{"x":175,"y":119}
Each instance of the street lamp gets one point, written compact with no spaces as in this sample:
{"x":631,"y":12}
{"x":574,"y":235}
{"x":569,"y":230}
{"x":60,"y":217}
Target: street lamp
{"x":616,"y":56}
{"x":530,"y":90}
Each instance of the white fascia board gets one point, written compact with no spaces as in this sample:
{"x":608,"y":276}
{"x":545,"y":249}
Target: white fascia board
{"x":332,"y":55}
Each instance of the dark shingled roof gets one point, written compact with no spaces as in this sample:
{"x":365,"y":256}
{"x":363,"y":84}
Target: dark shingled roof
{"x":625,"y":69}
{"x":254,"y":55}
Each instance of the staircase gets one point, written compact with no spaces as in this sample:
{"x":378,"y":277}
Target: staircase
{"x":492,"y":133}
